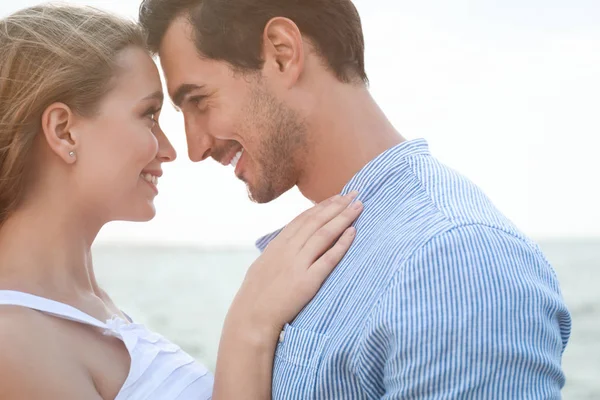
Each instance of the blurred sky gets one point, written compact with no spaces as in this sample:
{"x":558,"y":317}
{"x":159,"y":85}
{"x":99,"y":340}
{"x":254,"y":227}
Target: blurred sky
{"x":507,"y":92}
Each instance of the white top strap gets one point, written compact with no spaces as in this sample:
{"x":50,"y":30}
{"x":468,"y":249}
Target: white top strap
{"x":13,"y":298}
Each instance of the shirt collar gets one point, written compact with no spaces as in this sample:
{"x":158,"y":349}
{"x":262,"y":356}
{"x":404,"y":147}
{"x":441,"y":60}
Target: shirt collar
{"x":365,"y":181}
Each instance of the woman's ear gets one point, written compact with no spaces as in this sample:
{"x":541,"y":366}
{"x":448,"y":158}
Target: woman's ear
{"x":57,"y":122}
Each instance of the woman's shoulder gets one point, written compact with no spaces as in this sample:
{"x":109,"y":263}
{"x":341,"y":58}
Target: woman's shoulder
{"x":25,"y":336}
{"x":32,"y":363}
{"x":20,"y":324}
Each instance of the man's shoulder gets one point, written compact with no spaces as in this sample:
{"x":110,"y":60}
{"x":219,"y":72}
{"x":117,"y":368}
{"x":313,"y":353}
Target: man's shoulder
{"x":432,"y":244}
{"x":437,"y":196}
{"x":483,"y":253}
{"x":463,"y":264}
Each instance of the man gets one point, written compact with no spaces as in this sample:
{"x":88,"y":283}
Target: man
{"x":440,"y":296}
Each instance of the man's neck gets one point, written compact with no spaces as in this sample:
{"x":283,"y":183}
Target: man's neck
{"x":348,"y":130}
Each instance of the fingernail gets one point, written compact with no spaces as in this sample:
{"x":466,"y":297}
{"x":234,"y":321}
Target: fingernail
{"x":352,"y":194}
{"x":357,"y":205}
{"x":351,"y":232}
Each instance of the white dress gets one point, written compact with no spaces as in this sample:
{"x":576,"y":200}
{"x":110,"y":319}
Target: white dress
{"x":159,"y":369}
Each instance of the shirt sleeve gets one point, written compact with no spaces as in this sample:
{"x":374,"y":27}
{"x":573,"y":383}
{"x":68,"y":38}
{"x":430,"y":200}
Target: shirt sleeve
{"x":475,"y":313}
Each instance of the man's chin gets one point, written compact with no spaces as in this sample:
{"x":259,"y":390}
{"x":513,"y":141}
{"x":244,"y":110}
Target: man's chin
{"x":263,"y":195}
{"x":259,"y":198}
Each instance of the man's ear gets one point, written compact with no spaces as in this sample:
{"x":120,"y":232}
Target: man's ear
{"x":283,"y":50}
{"x":57,"y":122}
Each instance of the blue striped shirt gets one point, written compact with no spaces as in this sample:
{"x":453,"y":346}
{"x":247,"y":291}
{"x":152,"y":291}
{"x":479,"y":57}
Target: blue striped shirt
{"x":440,"y":297}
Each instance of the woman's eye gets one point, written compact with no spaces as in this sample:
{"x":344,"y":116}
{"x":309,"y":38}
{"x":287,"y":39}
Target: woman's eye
{"x":153,"y":115}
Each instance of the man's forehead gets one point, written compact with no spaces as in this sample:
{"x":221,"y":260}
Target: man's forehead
{"x":184,"y":68}
{"x":183,"y":79}
{"x":179,"y":33}
{"x":178,"y":57}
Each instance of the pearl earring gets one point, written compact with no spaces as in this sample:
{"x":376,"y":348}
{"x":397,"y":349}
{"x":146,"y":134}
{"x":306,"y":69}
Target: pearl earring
{"x":72,"y":154}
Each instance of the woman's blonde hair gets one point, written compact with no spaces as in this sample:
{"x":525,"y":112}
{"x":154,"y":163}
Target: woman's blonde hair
{"x":48,"y":54}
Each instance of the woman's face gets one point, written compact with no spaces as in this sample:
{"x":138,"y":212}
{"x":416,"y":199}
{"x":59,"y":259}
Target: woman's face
{"x":122,"y":148}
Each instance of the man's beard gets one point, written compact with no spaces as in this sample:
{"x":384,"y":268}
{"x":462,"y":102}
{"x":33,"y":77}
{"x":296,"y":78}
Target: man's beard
{"x":281,"y":147}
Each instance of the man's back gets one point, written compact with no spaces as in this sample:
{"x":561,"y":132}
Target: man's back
{"x":440,"y":297}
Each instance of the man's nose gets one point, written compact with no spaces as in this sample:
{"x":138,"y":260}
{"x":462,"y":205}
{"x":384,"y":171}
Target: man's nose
{"x":200,"y":143}
{"x":199,"y":152}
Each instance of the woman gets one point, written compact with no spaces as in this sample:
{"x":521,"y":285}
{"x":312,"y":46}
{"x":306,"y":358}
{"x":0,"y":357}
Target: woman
{"x":80,"y":146}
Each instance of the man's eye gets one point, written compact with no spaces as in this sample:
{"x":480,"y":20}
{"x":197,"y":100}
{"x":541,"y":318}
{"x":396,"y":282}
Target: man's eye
{"x":196,"y":100}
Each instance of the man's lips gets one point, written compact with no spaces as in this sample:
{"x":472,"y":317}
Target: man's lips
{"x":229,"y":155}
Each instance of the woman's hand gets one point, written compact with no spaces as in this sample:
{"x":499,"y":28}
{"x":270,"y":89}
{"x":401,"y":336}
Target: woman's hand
{"x":291,"y":270}
{"x":277,"y":286}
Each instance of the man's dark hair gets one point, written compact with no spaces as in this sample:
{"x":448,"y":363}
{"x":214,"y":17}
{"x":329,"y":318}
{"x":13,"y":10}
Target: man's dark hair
{"x":232,"y":30}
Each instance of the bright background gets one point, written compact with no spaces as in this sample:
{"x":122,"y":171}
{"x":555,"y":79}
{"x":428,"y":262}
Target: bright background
{"x":506,"y":92}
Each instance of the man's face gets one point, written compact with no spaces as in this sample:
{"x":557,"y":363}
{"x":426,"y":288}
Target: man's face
{"x":233,"y":117}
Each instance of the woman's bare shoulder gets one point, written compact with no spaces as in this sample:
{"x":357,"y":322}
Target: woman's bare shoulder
{"x":21,"y":325}
{"x":33,"y":362}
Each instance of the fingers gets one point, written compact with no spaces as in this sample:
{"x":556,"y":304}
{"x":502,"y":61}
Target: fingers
{"x":298,"y":223}
{"x":321,"y":217}
{"x":321,"y":269}
{"x":326,"y":236}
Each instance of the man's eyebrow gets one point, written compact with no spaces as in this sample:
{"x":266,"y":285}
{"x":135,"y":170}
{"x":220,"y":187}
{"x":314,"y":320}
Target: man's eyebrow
{"x":182,"y":91}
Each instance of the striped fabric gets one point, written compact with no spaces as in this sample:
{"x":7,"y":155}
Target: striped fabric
{"x":440,"y":297}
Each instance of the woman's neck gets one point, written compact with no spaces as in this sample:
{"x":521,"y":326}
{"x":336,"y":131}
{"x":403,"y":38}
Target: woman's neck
{"x":45,"y":249}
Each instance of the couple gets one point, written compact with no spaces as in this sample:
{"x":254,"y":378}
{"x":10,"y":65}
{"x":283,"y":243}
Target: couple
{"x":425,"y":292}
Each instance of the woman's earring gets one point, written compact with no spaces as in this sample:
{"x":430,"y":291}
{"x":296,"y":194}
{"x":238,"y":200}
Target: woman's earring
{"x":72,"y":154}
